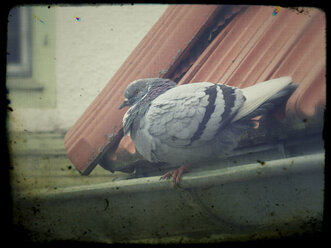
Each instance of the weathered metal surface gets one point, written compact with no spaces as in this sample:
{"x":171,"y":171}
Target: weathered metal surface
{"x":276,"y":199}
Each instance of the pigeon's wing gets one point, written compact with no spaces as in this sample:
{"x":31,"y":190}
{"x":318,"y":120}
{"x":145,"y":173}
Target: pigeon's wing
{"x":193,"y":114}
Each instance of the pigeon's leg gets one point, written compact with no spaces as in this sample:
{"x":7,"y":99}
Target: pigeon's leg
{"x":256,"y":121}
{"x":176,"y":174}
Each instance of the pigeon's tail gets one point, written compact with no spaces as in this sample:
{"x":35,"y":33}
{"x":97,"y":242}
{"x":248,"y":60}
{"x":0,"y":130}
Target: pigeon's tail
{"x":275,"y":101}
{"x":264,"y":97}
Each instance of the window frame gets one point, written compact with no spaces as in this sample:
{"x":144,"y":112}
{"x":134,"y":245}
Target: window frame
{"x":23,"y":67}
{"x":36,"y":89}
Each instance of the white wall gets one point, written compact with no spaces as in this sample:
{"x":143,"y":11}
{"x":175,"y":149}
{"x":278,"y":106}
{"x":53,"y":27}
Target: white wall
{"x":88,"y":53}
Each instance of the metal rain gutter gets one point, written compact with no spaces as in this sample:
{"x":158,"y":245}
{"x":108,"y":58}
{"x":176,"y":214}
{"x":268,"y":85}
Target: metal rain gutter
{"x":261,"y":200}
{"x":200,"y":178}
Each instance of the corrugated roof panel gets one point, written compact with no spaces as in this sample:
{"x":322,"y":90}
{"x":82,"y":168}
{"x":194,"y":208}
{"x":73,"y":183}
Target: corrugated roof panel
{"x":267,"y":49}
{"x":196,"y":55}
{"x":257,"y":46}
{"x":235,"y":40}
{"x":306,"y":63}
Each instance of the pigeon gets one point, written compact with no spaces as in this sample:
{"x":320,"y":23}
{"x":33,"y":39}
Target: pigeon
{"x":186,"y":124}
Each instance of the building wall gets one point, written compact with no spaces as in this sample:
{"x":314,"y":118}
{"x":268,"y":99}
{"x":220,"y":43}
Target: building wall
{"x":88,"y":51}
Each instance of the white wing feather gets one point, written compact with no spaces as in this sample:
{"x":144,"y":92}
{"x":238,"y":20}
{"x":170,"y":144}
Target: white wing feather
{"x":259,"y":93}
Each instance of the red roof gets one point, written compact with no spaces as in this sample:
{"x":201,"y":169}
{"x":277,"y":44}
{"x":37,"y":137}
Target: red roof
{"x":235,"y":45}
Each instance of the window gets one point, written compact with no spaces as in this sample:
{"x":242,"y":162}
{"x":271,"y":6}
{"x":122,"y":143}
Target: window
{"x":19,"y":43}
{"x":31,"y":57}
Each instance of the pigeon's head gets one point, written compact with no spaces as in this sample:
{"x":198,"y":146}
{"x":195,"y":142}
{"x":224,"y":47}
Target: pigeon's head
{"x":135,"y":92}
{"x":138,"y":89}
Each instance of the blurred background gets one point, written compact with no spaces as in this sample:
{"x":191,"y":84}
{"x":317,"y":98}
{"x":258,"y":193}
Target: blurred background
{"x":60,"y":58}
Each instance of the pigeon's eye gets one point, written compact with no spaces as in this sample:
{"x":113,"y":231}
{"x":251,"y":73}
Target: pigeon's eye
{"x":136,"y":92}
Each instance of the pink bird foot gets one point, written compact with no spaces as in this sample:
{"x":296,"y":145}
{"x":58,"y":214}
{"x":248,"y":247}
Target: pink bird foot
{"x":176,"y":174}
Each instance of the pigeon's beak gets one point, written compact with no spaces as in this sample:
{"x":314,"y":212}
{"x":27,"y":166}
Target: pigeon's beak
{"x":124,"y":104}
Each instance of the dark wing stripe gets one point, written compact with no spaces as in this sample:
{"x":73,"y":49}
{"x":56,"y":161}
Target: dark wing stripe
{"x":229,"y":101}
{"x":211,"y":92}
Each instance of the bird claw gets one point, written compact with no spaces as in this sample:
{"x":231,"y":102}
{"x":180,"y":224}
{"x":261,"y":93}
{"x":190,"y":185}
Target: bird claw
{"x":167,"y":175}
{"x":176,"y":175}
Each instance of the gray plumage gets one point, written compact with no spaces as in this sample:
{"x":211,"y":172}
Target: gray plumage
{"x":194,"y":122}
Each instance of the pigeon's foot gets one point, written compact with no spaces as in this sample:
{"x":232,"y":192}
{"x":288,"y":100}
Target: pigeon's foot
{"x":176,"y":174}
{"x":256,"y":121}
